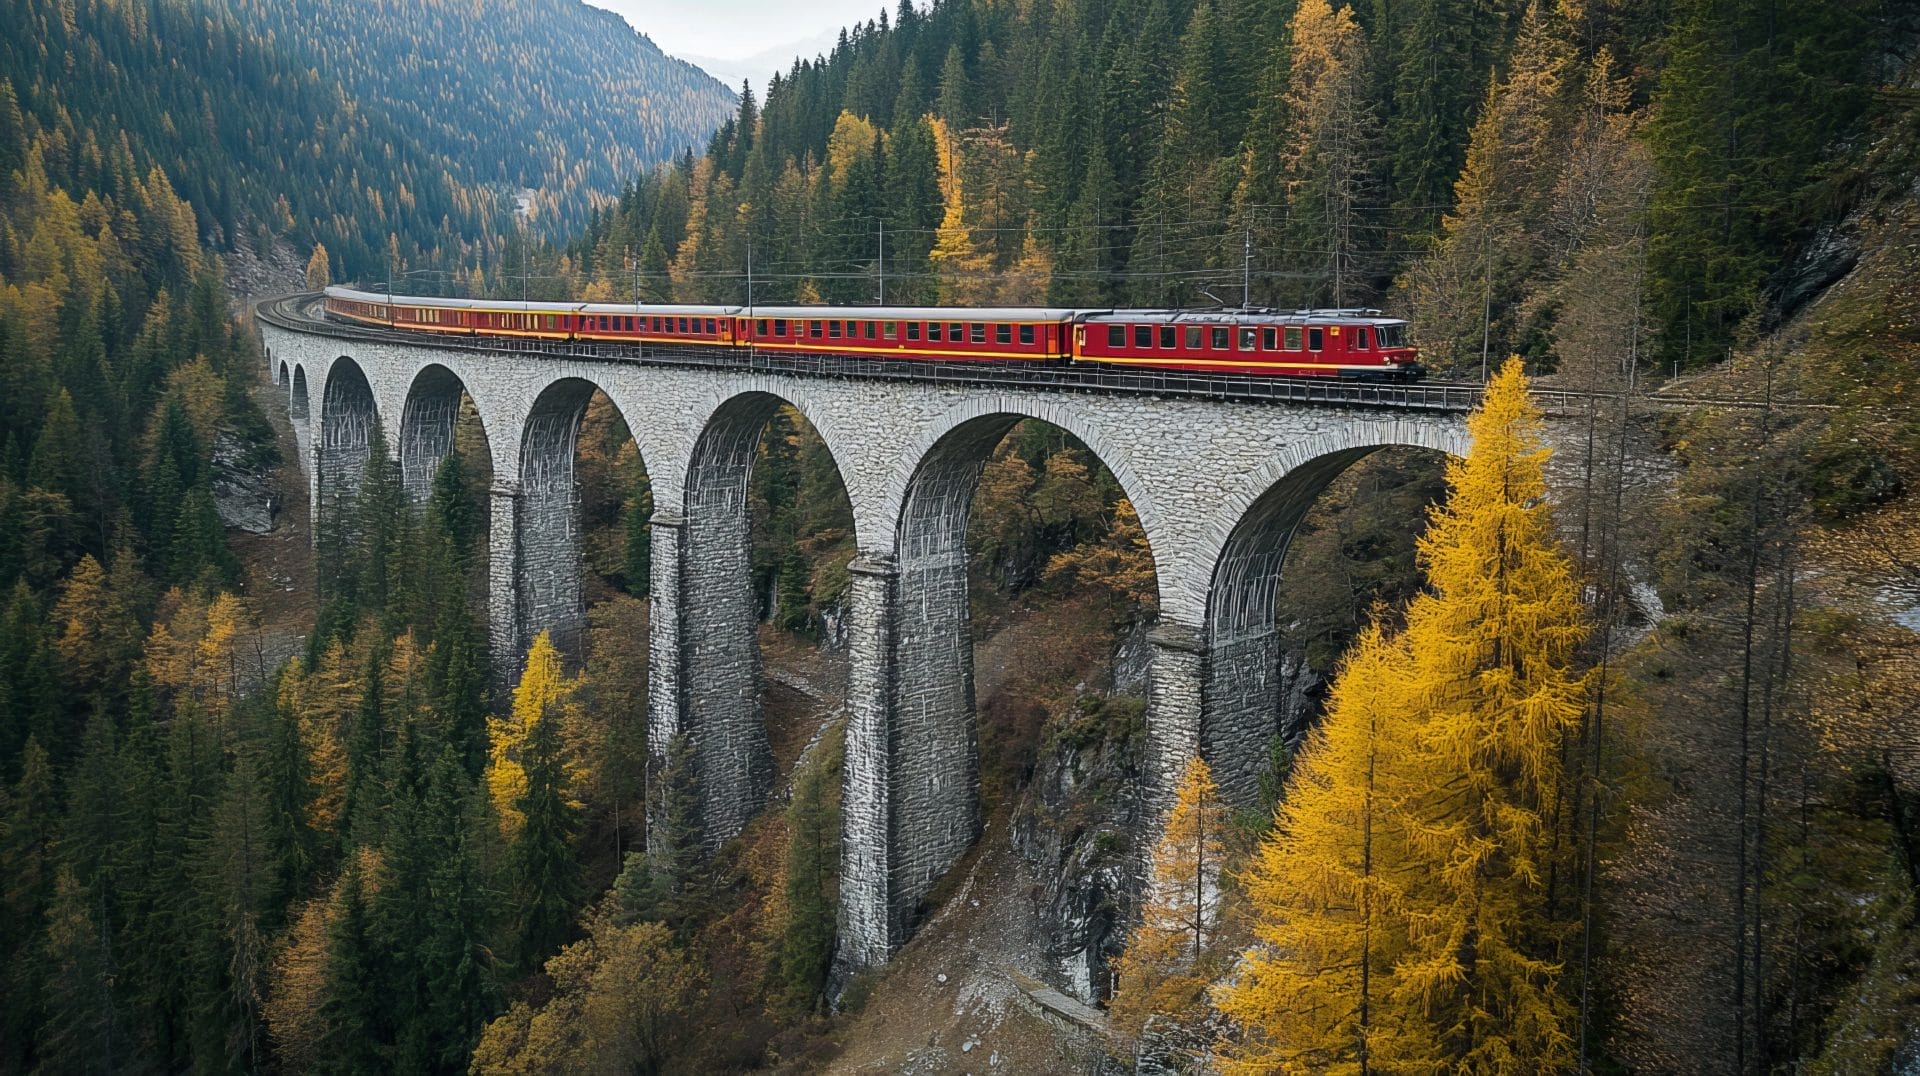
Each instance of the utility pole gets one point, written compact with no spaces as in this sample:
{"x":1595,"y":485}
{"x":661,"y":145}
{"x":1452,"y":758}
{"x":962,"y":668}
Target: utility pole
{"x":1246,"y":268}
{"x":1486,"y":297}
{"x":882,"y":265}
{"x":749,"y":278}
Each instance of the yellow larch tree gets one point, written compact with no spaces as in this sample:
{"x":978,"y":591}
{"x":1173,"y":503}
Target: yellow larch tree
{"x":545,"y":693}
{"x":1325,"y":888}
{"x":1165,"y":970}
{"x":1494,"y":694}
{"x":1026,"y":282}
{"x":1121,"y":563}
{"x":325,"y":698}
{"x":1402,"y":900}
{"x":965,"y":268}
{"x":319,"y":268}
{"x":852,"y":137}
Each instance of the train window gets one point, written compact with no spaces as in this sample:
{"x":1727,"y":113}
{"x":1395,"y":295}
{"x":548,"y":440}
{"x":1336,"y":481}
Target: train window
{"x":1026,"y":334}
{"x":833,"y":330}
{"x":913,"y":330}
{"x":1360,"y":338}
{"x":1246,"y":337}
{"x":1269,"y":339}
{"x":1169,"y":337}
{"x":873,"y":330}
{"x":1293,"y":338}
{"x":1003,"y":334}
{"x":1193,"y":338}
{"x":1391,"y":335}
{"x":1116,"y":336}
{"x":956,"y":332}
{"x":712,"y":328}
{"x":977,"y":333}
{"x":1143,"y":336}
{"x":1222,"y":338}
{"x":1316,"y":338}
{"x":890,"y":330}
{"x":779,"y":326}
{"x":816,"y":329}
{"x":552,"y":321}
{"x":760,"y":327}
{"x":933,"y":331}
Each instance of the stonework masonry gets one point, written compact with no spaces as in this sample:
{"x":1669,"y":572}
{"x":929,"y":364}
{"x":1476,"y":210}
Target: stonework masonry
{"x":1219,"y":487}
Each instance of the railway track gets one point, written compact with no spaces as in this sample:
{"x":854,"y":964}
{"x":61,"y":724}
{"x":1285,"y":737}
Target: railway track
{"x":301,"y":313}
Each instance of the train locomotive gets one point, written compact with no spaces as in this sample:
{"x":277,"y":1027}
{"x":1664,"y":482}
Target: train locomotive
{"x":1354,"y":344}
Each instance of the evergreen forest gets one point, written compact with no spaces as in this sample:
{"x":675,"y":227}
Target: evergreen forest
{"x":1603,"y":758}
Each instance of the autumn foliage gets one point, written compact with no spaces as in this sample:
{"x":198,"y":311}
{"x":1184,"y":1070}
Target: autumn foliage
{"x":1402,"y":900}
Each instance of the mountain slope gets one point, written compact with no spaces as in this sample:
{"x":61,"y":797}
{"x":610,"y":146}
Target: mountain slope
{"x":548,"y":94}
{"x":324,"y":121}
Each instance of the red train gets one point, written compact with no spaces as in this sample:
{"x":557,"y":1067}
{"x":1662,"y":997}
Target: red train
{"x":1303,"y":343}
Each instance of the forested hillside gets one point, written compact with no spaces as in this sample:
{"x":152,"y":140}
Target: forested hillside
{"x":1457,"y":160}
{"x":372,"y":130}
{"x":1617,"y":772}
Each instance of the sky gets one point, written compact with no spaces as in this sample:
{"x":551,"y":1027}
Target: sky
{"x":744,"y":31}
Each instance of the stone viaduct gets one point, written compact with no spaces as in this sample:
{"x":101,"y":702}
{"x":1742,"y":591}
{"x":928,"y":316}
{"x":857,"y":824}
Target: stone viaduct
{"x":1219,"y":483}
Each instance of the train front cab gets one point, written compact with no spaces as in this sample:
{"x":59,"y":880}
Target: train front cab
{"x":1263,"y":347}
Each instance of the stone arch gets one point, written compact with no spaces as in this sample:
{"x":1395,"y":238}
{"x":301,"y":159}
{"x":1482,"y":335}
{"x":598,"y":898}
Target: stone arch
{"x":1011,"y":410}
{"x":297,"y":400}
{"x":718,"y":698}
{"x":426,"y":427}
{"x":280,"y":373}
{"x":1241,"y":682}
{"x":348,"y":417}
{"x":933,"y":777}
{"x":545,"y":502}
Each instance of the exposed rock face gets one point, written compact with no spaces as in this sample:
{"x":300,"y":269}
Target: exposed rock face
{"x":243,"y":493}
{"x":1831,"y":255}
{"x":1080,"y":829}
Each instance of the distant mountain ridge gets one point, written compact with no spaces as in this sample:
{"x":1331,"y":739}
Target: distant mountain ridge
{"x":381,"y":129}
{"x":551,"y":95}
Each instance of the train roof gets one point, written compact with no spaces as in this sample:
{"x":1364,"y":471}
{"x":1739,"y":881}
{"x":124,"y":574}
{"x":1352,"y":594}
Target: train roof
{"x":511,"y":306}
{"x":1245,"y":317}
{"x":921,"y":313}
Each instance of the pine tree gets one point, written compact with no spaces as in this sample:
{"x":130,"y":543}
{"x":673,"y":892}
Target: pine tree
{"x":545,"y":881}
{"x":354,"y":1009}
{"x":1165,"y":968}
{"x":1445,"y":49}
{"x":1330,"y":151}
{"x":1493,"y":244}
{"x":668,"y":884}
{"x":453,"y":954}
{"x":84,"y":1027}
{"x":1750,"y":98}
{"x":813,"y":848}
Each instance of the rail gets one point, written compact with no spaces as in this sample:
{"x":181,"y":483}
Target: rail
{"x":296,"y":313}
